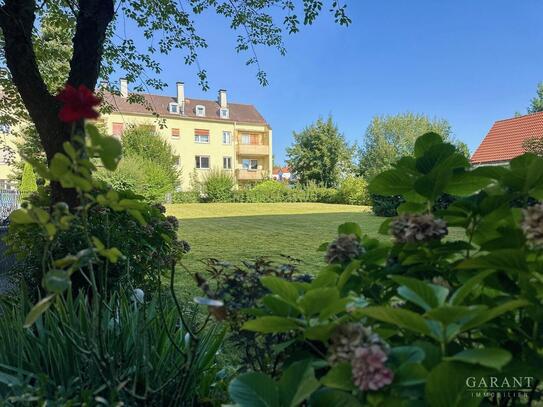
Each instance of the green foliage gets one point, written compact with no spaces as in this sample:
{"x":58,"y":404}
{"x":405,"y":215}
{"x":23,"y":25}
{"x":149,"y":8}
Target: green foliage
{"x":147,"y":168}
{"x":28,"y":181}
{"x":217,"y":185}
{"x":386,"y":206}
{"x":320,"y":154}
{"x":185,"y":197}
{"x":353,"y":191}
{"x":62,"y":359}
{"x":388,"y":138}
{"x":536,"y":104}
{"x":430,"y":312}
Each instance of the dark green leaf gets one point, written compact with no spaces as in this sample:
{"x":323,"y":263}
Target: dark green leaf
{"x":490,"y":357}
{"x":254,"y":390}
{"x":339,"y":377}
{"x":332,"y":397}
{"x":297,"y":383}
{"x":270,"y":324}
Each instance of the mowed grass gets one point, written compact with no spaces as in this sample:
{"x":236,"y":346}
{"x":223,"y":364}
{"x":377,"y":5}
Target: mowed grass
{"x":238,"y":231}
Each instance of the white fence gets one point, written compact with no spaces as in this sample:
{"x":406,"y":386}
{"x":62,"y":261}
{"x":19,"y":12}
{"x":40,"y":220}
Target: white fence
{"x":9,"y":201}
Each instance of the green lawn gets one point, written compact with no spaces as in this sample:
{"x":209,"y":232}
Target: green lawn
{"x":234,"y":232}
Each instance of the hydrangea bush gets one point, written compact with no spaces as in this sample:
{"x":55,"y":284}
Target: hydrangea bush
{"x":413,"y":320}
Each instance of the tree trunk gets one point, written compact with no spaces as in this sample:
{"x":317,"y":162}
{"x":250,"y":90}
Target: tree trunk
{"x":17,"y":19}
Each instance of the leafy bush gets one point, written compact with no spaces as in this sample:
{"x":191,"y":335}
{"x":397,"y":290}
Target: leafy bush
{"x":185,"y":197}
{"x":237,"y":289}
{"x":217,"y":186}
{"x":418,"y":320}
{"x":127,"y":351}
{"x":385,"y":205}
{"x":28,"y":181}
{"x":353,"y":191}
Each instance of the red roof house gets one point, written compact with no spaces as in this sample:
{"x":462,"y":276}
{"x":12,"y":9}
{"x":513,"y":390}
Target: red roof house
{"x":504,"y":140}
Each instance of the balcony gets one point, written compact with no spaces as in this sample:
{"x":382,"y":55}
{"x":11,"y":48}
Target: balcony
{"x":249,"y":175}
{"x":253,"y":149}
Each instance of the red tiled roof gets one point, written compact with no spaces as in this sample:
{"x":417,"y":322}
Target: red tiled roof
{"x":283,"y":170}
{"x":504,"y":140}
{"x":159,"y":104}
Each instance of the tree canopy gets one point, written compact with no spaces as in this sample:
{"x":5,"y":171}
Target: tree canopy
{"x":387,"y":138}
{"x":536,"y":104}
{"x":49,"y":43}
{"x":320,"y":154}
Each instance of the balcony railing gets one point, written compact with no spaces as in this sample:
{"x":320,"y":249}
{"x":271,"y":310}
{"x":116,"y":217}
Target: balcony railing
{"x":249,"y":175}
{"x":253,"y":149}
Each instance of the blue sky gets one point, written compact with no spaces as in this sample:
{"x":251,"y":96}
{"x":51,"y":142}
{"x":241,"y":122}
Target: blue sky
{"x":469,"y":61}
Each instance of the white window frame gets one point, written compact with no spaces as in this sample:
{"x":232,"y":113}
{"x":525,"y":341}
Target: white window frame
{"x":177,"y":160}
{"x":224,"y":113}
{"x":229,"y":158}
{"x":200,"y":110}
{"x":197,"y":138}
{"x":229,"y":138}
{"x":199,"y":159}
{"x":173,"y":106}
{"x":5,"y":128}
{"x":249,"y":167}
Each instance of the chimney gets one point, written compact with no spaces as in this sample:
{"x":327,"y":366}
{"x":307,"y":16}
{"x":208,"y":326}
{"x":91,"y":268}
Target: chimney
{"x":180,"y":93}
{"x":222,"y":99}
{"x":124,"y":87}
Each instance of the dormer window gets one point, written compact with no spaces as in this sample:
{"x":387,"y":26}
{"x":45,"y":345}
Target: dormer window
{"x":200,"y":110}
{"x":225,"y":114}
{"x":173,"y":108}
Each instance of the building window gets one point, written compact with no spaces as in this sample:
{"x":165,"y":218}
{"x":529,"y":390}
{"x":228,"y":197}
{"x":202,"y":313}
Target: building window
{"x":176,"y":161}
{"x":201,"y":136}
{"x":250,"y":164}
{"x":5,"y":128}
{"x":118,"y":129}
{"x":175,"y":133}
{"x":202,"y":162}
{"x":225,"y":114}
{"x":200,"y":110}
{"x":173,"y":108}
{"x":226,"y":137}
{"x":227,"y":163}
{"x":249,"y":139}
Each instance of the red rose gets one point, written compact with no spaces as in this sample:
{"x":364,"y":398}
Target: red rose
{"x":77,"y":104}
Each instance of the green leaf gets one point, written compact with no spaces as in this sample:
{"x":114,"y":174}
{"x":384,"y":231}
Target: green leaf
{"x":424,"y":142}
{"x":339,"y":377}
{"x":350,"y":228}
{"x":297,"y":383}
{"x":451,"y":314}
{"x":412,"y":207}
{"x":56,"y":281}
{"x":281,"y":287}
{"x":391,"y":182}
{"x":60,"y":165}
{"x":506,"y":259}
{"x":320,"y":332}
{"x":438,"y":156}
{"x":314,"y":301}
{"x":347,"y":273}
{"x":423,"y":294}
{"x":400,"y":317}
{"x":492,"y":313}
{"x":468,"y":287}
{"x":326,"y":278}
{"x":38,"y":309}
{"x":110,"y":153}
{"x":280,"y":307}
{"x":490,"y":357}
{"x":270,"y":324}
{"x":446,"y":386}
{"x":401,"y":355}
{"x":21,"y":216}
{"x":466,"y":183}
{"x":410,"y":374}
{"x":254,"y":390}
{"x":331,"y":397}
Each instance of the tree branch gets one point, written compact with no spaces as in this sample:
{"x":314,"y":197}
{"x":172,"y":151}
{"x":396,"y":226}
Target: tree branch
{"x":92,"y":21}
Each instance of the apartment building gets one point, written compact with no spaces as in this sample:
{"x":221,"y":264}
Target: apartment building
{"x":204,"y":134}
{"x":7,"y":148}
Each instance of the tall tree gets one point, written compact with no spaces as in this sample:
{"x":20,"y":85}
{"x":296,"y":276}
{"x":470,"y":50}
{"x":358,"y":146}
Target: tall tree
{"x":98,"y":46}
{"x":536,"y":104}
{"x":388,"y":138}
{"x":534,"y":145}
{"x":320,"y":154}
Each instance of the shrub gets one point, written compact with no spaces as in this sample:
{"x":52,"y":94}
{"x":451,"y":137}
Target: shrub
{"x":385,"y":205}
{"x":397,"y":322}
{"x":28,"y":181}
{"x":353,"y":191}
{"x":181,"y":197}
{"x":127,"y":351}
{"x":217,"y":185}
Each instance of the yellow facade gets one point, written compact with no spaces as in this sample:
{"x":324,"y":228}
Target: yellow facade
{"x":248,"y":142}
{"x":7,"y":149}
